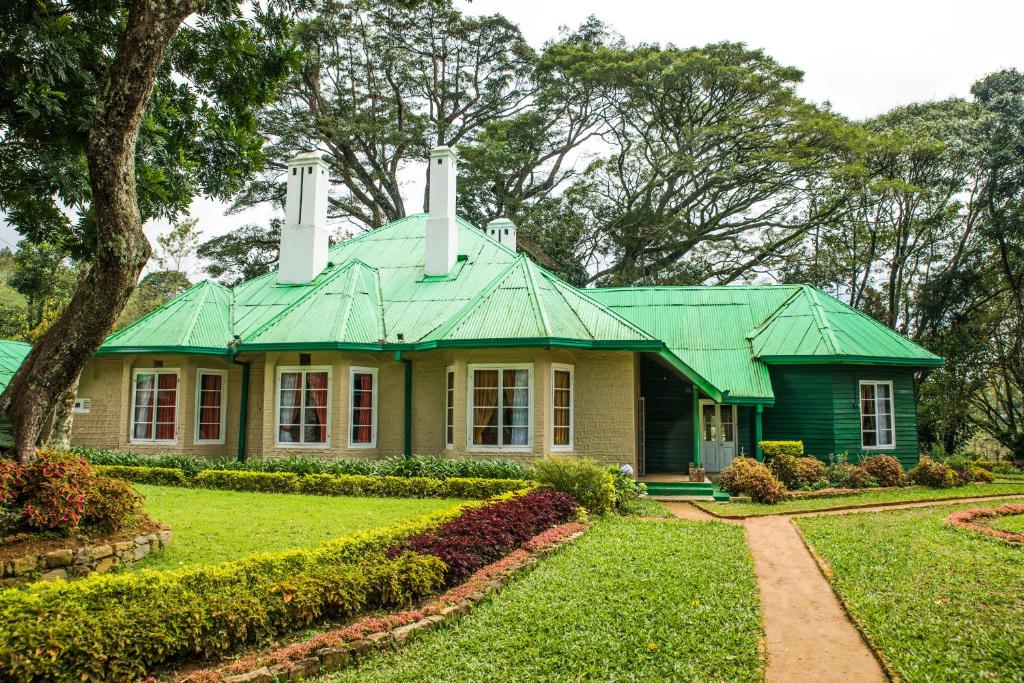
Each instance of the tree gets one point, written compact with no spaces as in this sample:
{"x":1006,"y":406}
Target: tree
{"x":152,"y":292}
{"x":178,"y":244}
{"x":43,"y":276}
{"x":123,"y":134}
{"x":243,"y":253}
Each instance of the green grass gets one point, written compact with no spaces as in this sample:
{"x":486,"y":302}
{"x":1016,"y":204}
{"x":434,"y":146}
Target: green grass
{"x":633,"y":600}
{"x":905,"y":495}
{"x":1013,"y":523}
{"x":644,"y":507}
{"x":943,"y":604}
{"x":212,"y":526}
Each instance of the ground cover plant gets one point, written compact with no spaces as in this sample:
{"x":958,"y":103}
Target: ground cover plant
{"x":940,"y":603}
{"x":213,"y":526}
{"x":876,"y":497}
{"x":630,"y":600}
{"x":1013,"y":524}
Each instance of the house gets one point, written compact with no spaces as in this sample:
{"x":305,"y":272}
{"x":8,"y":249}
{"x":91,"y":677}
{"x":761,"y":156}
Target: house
{"x":430,"y":336}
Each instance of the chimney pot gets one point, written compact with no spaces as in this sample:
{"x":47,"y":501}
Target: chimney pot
{"x":503,"y":230}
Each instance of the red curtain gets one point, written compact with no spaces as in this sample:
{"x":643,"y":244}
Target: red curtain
{"x":210,"y":391}
{"x":362,"y":408}
{"x":166,"y":406}
{"x":316,"y":407}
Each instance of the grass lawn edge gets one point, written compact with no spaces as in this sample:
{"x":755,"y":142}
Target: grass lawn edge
{"x":711,"y":509}
{"x":826,"y":571}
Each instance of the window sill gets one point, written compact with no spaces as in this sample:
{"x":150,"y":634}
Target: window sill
{"x":500,"y":449}
{"x":152,"y":442}
{"x":889,"y":447}
{"x":319,"y":446}
{"x":208,"y":443}
{"x":362,"y":446}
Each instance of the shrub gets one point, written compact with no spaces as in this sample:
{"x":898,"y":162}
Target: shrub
{"x":796,"y":472}
{"x":160,"y":476}
{"x":933,"y":474}
{"x":112,"y":505}
{"x":886,"y":469}
{"x":407,"y":487}
{"x":486,"y":534}
{"x":809,"y":472}
{"x":48,"y":494}
{"x":982,"y":475}
{"x":750,"y":477}
{"x":586,"y":481}
{"x":1004,"y":467}
{"x":772,"y":449}
{"x":843,"y":475}
{"x":627,"y":489}
{"x":266,"y":482}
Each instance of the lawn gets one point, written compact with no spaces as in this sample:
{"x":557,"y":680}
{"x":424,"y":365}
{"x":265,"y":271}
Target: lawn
{"x":940,"y":602}
{"x":213,"y":526}
{"x":904,"y":495}
{"x":1014,"y":523}
{"x":632,"y":600}
{"x":644,"y":507}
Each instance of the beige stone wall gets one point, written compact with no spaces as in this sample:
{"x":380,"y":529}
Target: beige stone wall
{"x":604,"y":400}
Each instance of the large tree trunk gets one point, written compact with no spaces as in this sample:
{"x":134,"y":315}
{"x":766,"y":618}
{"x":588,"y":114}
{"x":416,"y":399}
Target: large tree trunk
{"x":63,"y":420}
{"x":122,"y":250}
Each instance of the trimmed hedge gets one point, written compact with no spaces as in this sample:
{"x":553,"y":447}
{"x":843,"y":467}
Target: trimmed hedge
{"x":264,"y":482}
{"x":121,"y":626}
{"x":774,"y":448}
{"x":417,"y":466}
{"x":161,"y":476}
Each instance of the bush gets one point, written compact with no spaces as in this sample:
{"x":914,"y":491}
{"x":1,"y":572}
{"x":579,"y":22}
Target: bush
{"x":627,"y":489}
{"x":1004,"y":467}
{"x":796,"y":472}
{"x":809,"y":472}
{"x":933,"y":474}
{"x":159,"y":476}
{"x":772,"y":449}
{"x":846,"y":476}
{"x":48,"y":494}
{"x":586,"y":481}
{"x":982,"y":475}
{"x":486,"y":534}
{"x":407,"y":487}
{"x":886,"y":469}
{"x":746,"y":476}
{"x":265,"y":482}
{"x":112,"y":505}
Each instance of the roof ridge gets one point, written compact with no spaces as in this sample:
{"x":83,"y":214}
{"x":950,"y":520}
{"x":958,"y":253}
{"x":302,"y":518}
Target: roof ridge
{"x":186,"y":333}
{"x":538,"y":304}
{"x":446,"y":327}
{"x":822,"y":319}
{"x":771,"y":318}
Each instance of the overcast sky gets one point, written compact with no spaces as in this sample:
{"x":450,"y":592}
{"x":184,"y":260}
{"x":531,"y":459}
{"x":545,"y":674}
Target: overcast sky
{"x":864,"y":57}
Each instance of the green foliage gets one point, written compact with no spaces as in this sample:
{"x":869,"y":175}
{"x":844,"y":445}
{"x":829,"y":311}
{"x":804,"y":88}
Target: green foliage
{"x":590,"y":484}
{"x":643,"y":507}
{"x":154,"y":290}
{"x":267,"y":482}
{"x":178,"y":244}
{"x":160,"y":476}
{"x":605,"y":608}
{"x":796,"y":472}
{"x":627,"y":489}
{"x":846,"y":476}
{"x":981,"y":475}
{"x":112,"y":504}
{"x":912,"y":580}
{"x":243,"y":253}
{"x":746,"y":476}
{"x":774,"y":448}
{"x":885,"y":469}
{"x":933,"y":474}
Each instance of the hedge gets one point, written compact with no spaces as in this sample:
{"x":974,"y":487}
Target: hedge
{"x":121,"y":626}
{"x":773,"y":448}
{"x":321,"y":484}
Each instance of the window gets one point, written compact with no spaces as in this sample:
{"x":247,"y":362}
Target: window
{"x":210,"y":386}
{"x":82,"y":405}
{"x":155,"y":406}
{"x":449,"y":409}
{"x":876,"y":421}
{"x":303,"y":406}
{"x":363,"y":415}
{"x":501,"y":407}
{"x":561,"y":407}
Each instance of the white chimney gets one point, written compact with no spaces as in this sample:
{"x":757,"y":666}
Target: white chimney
{"x":503,"y":230}
{"x":304,"y":237}
{"x":442,"y":243}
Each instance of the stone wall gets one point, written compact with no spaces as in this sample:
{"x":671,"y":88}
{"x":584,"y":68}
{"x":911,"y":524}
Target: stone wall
{"x":66,"y":563}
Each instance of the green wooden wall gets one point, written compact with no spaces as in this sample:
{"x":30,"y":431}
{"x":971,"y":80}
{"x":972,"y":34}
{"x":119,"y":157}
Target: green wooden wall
{"x":819,"y":404}
{"x":668,"y":403}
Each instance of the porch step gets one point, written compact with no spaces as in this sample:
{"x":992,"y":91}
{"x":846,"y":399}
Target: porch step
{"x":721,"y":496}
{"x":680,"y":488}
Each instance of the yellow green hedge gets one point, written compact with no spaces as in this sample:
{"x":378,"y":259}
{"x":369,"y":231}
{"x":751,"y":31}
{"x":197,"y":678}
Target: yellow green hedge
{"x":773,"y":448}
{"x":122,"y":626}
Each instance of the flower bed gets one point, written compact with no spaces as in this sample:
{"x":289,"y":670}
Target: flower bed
{"x":980,"y":520}
{"x":338,"y":648}
{"x":123,"y":626}
{"x":320,"y":484}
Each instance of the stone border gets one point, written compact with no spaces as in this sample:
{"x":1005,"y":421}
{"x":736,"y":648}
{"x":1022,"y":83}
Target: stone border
{"x":965,"y":519}
{"x":443,"y":609}
{"x":68,"y":563}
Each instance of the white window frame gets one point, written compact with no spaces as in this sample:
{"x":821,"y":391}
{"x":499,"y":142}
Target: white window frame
{"x":892,"y":414}
{"x":277,"y":405}
{"x":374,"y":406}
{"x":470,"y":446}
{"x":449,"y":394}
{"x":559,"y":367}
{"x":177,"y":403}
{"x":223,"y":405}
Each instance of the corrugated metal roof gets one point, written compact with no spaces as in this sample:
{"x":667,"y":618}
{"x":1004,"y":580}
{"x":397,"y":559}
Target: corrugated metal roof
{"x":12,"y":354}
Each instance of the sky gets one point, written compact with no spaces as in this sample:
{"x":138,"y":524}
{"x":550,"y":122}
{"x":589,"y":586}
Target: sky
{"x":863,"y":57}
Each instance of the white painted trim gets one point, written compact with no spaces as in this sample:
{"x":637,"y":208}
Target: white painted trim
{"x":177,"y":403}
{"x":470,"y":446}
{"x":892,"y":414}
{"x":352,"y":371}
{"x":449,"y":371}
{"x":560,"y":367}
{"x":302,"y":405}
{"x":223,"y":406}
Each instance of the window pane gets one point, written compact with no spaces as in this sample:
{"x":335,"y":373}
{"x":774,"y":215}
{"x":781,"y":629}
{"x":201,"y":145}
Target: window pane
{"x":315,"y":434}
{"x":142,"y":430}
{"x":288,"y":434}
{"x":516,"y":417}
{"x":485,"y":436}
{"x":516,"y":436}
{"x":209,"y":382}
{"x":561,"y":436}
{"x":870,"y":439}
{"x":516,"y":378}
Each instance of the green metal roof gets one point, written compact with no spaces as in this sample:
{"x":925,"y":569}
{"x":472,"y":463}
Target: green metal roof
{"x":12,"y":354}
{"x":729,"y":335}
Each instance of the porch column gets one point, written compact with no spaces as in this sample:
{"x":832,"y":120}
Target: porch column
{"x":696,"y":427}
{"x":757,"y":433}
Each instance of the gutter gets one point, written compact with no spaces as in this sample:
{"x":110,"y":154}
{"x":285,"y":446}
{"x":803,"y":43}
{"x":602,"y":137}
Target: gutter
{"x":243,"y":411}
{"x":407,"y":427}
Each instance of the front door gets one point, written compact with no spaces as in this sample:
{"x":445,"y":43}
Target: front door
{"x":717,"y":435}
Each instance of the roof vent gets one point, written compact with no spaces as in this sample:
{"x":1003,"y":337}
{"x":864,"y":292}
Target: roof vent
{"x":442,"y":243}
{"x":503,"y":230}
{"x":304,"y":237}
